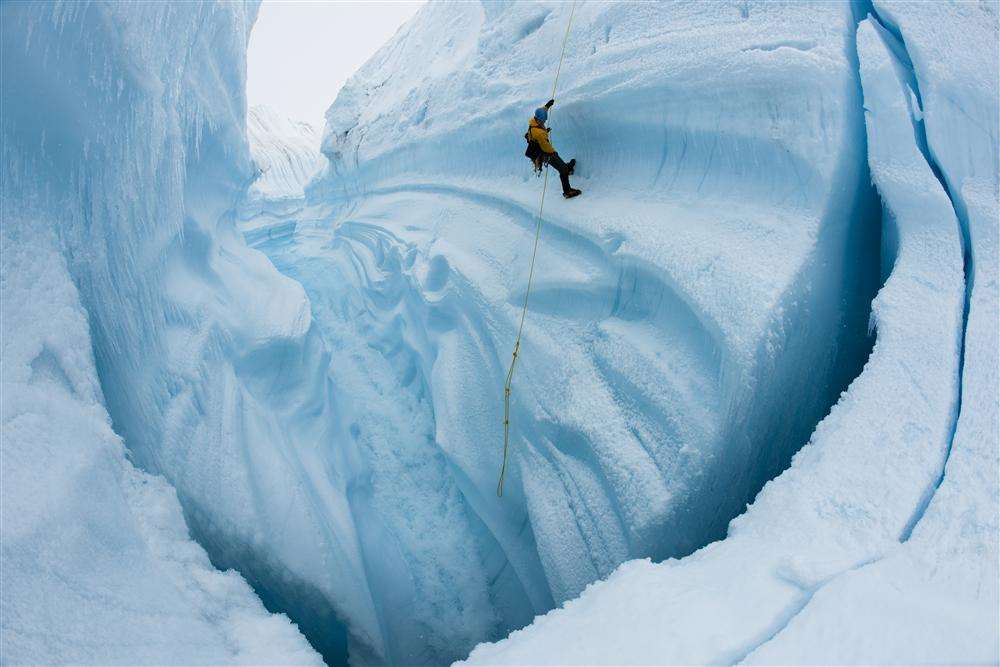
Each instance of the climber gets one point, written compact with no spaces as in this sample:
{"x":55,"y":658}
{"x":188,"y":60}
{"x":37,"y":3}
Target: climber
{"x":540,"y":149}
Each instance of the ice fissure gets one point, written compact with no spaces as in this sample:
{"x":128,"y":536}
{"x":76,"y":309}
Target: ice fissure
{"x":894,"y":49}
{"x":807,"y":591}
{"x":897,"y":46}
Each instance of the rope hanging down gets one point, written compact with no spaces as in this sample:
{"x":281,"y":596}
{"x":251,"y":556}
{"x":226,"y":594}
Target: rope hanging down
{"x":531,"y":275}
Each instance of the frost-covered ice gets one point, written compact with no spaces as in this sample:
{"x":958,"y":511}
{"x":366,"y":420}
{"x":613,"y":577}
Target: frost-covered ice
{"x":695,"y":287}
{"x":115,"y":173}
{"x":935,"y":598}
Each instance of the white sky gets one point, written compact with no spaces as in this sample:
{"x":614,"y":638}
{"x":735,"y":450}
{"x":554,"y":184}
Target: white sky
{"x":302,"y":52}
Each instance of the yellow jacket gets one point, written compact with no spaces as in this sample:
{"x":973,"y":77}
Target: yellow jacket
{"x":540,"y":133}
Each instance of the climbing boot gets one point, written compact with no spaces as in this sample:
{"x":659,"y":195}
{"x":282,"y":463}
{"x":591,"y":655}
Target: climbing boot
{"x":572,"y":192}
{"x":572,"y":166}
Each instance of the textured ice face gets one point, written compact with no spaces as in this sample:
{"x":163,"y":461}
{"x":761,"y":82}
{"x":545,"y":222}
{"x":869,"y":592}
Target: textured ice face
{"x":879,"y":544}
{"x":122,"y":146}
{"x":720,"y":263}
{"x":286,"y":153}
{"x":329,"y":410}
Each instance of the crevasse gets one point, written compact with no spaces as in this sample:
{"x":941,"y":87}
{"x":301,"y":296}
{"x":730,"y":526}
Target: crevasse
{"x":316,"y":368}
{"x":726,"y":243}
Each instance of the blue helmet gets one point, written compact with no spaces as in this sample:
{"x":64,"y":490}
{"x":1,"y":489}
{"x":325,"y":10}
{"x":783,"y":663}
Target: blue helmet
{"x":542,"y":114}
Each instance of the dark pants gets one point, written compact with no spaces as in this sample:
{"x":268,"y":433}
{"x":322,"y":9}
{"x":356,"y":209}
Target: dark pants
{"x":562,"y":168}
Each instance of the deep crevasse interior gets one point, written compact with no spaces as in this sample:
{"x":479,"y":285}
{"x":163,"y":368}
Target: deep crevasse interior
{"x":648,"y":407}
{"x":332,"y":428}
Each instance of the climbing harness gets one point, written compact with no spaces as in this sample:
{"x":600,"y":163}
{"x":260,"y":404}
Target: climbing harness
{"x":531,"y":275}
{"x":534,"y":153}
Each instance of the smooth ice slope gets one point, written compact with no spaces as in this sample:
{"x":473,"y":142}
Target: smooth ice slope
{"x":286,"y":151}
{"x":722,"y":259}
{"x":122,"y":137}
{"x":880,"y":543}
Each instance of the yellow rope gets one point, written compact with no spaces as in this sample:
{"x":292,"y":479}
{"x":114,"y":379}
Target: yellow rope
{"x":531,"y":275}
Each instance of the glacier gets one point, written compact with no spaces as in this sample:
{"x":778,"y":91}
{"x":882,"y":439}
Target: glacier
{"x":755,"y":415}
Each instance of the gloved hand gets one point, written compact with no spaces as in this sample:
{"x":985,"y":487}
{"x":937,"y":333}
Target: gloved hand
{"x":548,"y":105}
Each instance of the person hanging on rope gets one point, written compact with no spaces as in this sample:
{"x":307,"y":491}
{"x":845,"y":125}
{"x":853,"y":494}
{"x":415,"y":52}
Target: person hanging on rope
{"x":542,"y":151}
{"x":537,"y":136}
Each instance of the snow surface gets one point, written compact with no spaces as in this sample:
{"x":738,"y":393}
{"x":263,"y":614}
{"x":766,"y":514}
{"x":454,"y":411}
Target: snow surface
{"x":107,"y":134}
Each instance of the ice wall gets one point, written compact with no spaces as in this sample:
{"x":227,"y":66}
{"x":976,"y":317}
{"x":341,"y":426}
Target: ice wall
{"x":127,"y":301}
{"x":936,"y":597}
{"x":286,"y":153}
{"x":879,"y":545}
{"x":721,"y":261}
